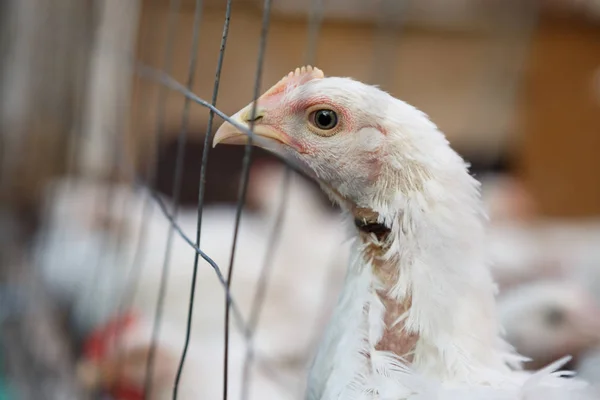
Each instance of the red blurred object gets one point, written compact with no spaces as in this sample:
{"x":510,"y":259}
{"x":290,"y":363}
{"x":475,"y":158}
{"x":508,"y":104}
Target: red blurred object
{"x":97,"y":349}
{"x":97,"y":345}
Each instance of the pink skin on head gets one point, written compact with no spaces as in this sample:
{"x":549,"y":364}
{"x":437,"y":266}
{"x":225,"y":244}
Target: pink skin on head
{"x":275,"y":110}
{"x":272,"y":104}
{"x":279,"y":111}
{"x":346,"y":115}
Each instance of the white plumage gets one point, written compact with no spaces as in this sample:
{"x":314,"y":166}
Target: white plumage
{"x":416,"y":318}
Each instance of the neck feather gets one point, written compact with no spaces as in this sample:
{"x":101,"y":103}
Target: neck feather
{"x":433,"y":266}
{"x":421,"y":294}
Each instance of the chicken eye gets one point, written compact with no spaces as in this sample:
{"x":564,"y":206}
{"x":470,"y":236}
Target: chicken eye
{"x":324,"y":119}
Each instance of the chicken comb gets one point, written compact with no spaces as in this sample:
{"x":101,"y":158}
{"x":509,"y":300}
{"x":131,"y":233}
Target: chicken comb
{"x":295,"y":78}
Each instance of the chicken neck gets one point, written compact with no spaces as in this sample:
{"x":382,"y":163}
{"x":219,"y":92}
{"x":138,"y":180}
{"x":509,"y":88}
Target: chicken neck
{"x":419,"y":294}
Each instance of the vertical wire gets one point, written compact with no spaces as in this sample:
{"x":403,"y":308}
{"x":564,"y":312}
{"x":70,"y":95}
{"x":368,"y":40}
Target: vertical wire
{"x":153,"y":166}
{"x":201,"y":192}
{"x":514,"y":25}
{"x":315,"y":21}
{"x":531,"y":12}
{"x":314,"y":25}
{"x":147,"y":36}
{"x":244,"y":182}
{"x":391,"y":18}
{"x":176,"y":191}
{"x":260,"y":293}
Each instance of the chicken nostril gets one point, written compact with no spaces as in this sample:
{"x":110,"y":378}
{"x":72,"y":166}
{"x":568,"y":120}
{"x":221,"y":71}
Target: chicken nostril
{"x":257,"y":118}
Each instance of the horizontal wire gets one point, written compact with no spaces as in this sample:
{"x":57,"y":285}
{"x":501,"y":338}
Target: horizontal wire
{"x":171,"y":83}
{"x":158,"y":76}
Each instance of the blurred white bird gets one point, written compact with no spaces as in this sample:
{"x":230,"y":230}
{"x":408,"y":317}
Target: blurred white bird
{"x":549,"y":276}
{"x":87,"y":252}
{"x":309,"y":249}
{"x":546,"y":320}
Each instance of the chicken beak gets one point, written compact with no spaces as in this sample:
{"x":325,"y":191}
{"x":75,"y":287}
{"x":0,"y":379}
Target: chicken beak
{"x":265,"y":136}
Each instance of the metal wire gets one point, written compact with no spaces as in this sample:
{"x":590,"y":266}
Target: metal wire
{"x":236,"y":312}
{"x":314,"y":25}
{"x":244,"y":181}
{"x":174,"y":6}
{"x":135,"y":269}
{"x":201,"y":191}
{"x":390,"y":21}
{"x":176,"y":191}
{"x":237,"y":315}
{"x":263,"y":280}
{"x":514,"y":27}
{"x":166,"y":81}
{"x":169,"y":82}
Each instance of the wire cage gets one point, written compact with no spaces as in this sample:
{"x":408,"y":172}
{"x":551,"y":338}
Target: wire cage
{"x":153,"y":72}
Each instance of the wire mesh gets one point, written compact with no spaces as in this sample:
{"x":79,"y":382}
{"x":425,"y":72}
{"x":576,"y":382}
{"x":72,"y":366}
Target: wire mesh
{"x":388,"y":25}
{"x":389,"y":22}
{"x":244,"y":182}
{"x":177,"y":175}
{"x":164,"y":78}
{"x":201,"y":191}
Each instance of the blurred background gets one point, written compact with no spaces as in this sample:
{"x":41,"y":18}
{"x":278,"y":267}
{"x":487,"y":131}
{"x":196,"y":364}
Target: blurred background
{"x":100,"y":165}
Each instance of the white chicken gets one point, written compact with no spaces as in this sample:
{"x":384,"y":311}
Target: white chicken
{"x":416,"y":318}
{"x":548,"y":274}
{"x":546,"y":320}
